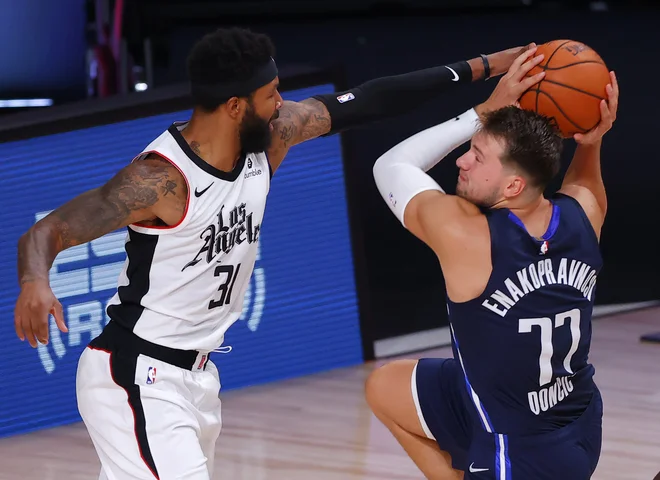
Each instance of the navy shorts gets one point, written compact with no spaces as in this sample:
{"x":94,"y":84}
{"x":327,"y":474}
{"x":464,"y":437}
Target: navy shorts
{"x":568,"y":453}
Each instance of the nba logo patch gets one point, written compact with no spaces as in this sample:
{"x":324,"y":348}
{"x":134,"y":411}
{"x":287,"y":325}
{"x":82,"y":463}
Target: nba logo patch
{"x":151,"y":376}
{"x":347,"y":97}
{"x":545,"y":246}
{"x":392,"y":199}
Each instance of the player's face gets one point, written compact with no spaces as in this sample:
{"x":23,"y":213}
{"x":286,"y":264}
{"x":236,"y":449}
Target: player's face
{"x":256,"y":126}
{"x":481,"y":173}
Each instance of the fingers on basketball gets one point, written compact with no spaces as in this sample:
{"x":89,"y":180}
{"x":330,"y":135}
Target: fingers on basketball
{"x":526,"y":67}
{"x":522,"y":59}
{"x":572,"y":89}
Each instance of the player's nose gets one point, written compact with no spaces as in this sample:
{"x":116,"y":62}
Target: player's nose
{"x":462,"y":162}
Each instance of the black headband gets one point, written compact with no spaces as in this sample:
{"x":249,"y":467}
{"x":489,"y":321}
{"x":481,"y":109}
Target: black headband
{"x":224,"y":91}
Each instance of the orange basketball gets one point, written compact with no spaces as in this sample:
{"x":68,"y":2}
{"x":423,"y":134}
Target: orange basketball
{"x":573,"y":86}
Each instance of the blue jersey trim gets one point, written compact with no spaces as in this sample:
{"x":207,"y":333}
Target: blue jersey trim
{"x":554,"y":222}
{"x":552,"y":227}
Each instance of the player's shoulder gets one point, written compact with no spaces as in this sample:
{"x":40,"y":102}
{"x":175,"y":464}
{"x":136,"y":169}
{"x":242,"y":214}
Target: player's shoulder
{"x":451,"y":206}
{"x":449,"y":210}
{"x":585,"y":204}
{"x":153,"y":167}
{"x":151,"y":176}
{"x":443,"y":220}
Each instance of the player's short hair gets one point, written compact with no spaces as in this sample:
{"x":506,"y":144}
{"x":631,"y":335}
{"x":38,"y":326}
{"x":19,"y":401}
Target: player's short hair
{"x":532,"y":142}
{"x":226,"y":56}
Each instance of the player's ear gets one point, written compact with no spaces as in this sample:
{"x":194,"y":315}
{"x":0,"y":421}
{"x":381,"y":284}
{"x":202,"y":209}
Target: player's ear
{"x":515,"y":186}
{"x":233,"y":107}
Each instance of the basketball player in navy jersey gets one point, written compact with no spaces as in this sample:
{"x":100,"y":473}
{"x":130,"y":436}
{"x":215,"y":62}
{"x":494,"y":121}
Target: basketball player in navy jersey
{"x":193,"y":201}
{"x":518,"y":400}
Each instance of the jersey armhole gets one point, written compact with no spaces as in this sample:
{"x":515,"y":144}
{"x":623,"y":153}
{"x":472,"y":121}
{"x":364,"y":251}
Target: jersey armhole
{"x":494,"y":250}
{"x":583,"y":215}
{"x":270,"y":167}
{"x":494,"y":241}
{"x":158,"y":230}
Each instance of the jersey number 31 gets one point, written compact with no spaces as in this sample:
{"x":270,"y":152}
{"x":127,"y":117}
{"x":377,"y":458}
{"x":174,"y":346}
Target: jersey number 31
{"x":229,"y":274}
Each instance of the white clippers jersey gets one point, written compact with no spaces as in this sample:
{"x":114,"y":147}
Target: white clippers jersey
{"x":183,"y":286}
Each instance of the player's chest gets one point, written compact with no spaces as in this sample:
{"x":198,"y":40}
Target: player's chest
{"x":229,"y":217}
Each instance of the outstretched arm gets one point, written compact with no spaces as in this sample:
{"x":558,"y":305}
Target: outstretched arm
{"x":583,"y":180}
{"x":400,"y":174}
{"x":371,"y":101}
{"x":298,"y":121}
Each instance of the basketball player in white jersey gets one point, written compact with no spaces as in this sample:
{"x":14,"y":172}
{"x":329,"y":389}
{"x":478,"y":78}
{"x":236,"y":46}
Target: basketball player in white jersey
{"x":193,"y":202}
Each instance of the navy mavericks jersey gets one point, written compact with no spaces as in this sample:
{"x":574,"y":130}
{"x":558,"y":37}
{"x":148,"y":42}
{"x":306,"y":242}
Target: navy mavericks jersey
{"x":524,"y":343}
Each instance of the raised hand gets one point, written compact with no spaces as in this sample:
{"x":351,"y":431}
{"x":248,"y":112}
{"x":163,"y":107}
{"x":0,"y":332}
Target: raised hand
{"x":608,"y":109}
{"x":500,"y":62}
{"x":516,"y":82}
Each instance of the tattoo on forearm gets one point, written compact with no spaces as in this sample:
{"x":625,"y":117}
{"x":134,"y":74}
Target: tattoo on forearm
{"x":286,"y":132}
{"x":302,"y":121}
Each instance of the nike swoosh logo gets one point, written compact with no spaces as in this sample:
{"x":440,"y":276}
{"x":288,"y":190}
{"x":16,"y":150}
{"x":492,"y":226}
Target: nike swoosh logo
{"x":199,"y":194}
{"x":475,"y":470}
{"x":456,"y":77}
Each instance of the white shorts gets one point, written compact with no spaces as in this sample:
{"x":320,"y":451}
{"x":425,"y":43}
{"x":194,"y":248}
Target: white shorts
{"x":148,"y":418}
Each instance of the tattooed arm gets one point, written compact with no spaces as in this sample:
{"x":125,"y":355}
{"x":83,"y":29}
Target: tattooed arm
{"x":148,"y":190}
{"x":298,"y":122}
{"x":378,"y":99}
{"x":142,"y":191}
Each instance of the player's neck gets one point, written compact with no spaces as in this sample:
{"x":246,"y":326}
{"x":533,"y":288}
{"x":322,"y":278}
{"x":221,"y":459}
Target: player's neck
{"x":215,"y":141}
{"x":535,"y":213}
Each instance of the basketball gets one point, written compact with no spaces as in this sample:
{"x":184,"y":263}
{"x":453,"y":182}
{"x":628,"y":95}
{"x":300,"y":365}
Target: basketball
{"x":573,"y":86}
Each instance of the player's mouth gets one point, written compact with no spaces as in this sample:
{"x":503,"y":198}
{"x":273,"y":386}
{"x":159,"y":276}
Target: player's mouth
{"x":275,"y":116}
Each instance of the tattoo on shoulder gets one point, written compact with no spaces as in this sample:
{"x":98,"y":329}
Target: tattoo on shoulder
{"x":169,"y":188}
{"x":302,"y":121}
{"x":136,"y":187}
{"x":141,"y":186}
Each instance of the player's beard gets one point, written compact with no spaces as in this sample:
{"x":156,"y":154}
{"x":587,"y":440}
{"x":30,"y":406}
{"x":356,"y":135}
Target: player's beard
{"x":254,"y":132}
{"x":486,"y":201}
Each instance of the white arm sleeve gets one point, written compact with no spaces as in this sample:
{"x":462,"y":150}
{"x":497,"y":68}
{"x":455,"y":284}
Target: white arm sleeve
{"x":400,"y":172}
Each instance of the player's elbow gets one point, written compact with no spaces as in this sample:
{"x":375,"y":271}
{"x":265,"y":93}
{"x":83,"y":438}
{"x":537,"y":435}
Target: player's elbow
{"x":23,"y":240}
{"x":382,"y":176}
{"x":388,"y":177}
{"x":44,"y":232}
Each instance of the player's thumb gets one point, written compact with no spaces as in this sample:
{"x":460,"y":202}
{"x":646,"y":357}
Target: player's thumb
{"x":58,"y":313}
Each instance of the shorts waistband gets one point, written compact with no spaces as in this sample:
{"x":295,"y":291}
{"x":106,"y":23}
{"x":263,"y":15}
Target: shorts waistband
{"x":117,"y":338}
{"x":592,"y":413}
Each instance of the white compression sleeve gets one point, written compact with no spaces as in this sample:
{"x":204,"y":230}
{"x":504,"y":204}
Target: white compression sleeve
{"x":400,"y":172}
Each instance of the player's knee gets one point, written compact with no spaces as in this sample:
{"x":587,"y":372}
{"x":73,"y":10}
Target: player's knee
{"x":373,"y":387}
{"x":384,"y":384}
